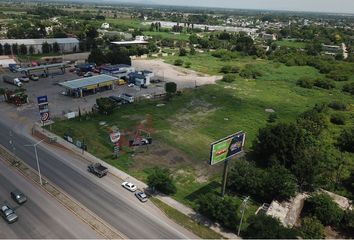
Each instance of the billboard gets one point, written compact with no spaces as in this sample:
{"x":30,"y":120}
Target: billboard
{"x":226,"y":147}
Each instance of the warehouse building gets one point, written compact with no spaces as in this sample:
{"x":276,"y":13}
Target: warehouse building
{"x":90,"y":85}
{"x":66,"y":45}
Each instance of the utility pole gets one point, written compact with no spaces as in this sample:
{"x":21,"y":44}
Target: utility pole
{"x":35,"y":152}
{"x":243,"y":208}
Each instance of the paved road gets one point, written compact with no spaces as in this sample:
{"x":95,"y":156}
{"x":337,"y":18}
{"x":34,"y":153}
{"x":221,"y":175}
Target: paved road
{"x":41,"y":216}
{"x":104,"y":196}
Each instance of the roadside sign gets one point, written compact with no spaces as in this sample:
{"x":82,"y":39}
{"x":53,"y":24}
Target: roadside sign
{"x":226,"y":148}
{"x":45,"y":116}
{"x":42,"y":99}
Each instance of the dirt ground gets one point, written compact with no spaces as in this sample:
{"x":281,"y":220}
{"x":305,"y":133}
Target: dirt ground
{"x":184,"y":78}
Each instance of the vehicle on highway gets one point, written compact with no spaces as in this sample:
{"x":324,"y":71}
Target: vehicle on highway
{"x":8,"y":213}
{"x":24,"y":79}
{"x":141,"y":196}
{"x":18,"y":197}
{"x":97,"y":169}
{"x":131,"y":187}
{"x":88,"y":74}
{"x":34,"y":77}
{"x":11,"y":80}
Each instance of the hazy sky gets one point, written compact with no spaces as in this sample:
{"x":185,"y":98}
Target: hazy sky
{"x":340,"y":6}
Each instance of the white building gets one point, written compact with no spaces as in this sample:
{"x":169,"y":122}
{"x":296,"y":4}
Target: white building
{"x":66,"y":45}
{"x":105,"y":26}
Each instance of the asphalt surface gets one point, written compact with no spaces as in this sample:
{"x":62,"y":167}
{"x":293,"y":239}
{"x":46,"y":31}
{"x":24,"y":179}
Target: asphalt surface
{"x":105,"y":197}
{"x":41,"y":216}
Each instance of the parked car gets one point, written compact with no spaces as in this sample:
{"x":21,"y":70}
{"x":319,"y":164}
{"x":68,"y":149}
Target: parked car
{"x":143,"y":86}
{"x":131,"y":85}
{"x":141,"y":196}
{"x":8,"y":213}
{"x":131,"y":187}
{"x":88,"y":74}
{"x":34,"y":77}
{"x":96,"y":70}
{"x":72,"y":70}
{"x":18,"y":197}
{"x":24,"y":79}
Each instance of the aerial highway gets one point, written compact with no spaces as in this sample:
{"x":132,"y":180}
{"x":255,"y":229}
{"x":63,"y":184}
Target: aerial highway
{"x":41,"y":216}
{"x":104,"y":197}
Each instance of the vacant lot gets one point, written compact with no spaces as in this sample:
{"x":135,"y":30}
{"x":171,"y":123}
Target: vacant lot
{"x":183,"y":128}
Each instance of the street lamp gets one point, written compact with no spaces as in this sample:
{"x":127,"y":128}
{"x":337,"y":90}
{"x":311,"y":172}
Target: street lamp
{"x":35,"y":152}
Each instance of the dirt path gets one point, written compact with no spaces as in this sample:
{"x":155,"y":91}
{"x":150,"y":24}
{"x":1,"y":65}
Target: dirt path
{"x":185,"y":78}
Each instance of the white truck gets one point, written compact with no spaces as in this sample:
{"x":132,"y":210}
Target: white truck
{"x":127,"y":98}
{"x":11,"y":80}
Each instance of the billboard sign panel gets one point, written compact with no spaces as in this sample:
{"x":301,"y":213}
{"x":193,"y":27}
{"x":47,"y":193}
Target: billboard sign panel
{"x":42,"y":99}
{"x":226,"y":148}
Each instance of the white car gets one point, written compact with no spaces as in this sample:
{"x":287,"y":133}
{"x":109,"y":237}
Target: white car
{"x":131,"y":85}
{"x":131,"y":187}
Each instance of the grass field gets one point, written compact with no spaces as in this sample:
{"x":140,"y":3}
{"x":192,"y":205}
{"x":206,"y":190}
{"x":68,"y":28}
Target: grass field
{"x":168,"y":35}
{"x":184,"y":128}
{"x":126,"y":23}
{"x":291,"y":43}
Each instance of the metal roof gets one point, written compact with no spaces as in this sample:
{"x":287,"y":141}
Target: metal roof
{"x":39,"y":41}
{"x":84,"y":82}
{"x":130,"y":42}
{"x":42,"y":67}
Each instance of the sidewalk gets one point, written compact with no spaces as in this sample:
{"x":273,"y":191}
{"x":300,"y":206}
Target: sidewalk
{"x":124,"y":176}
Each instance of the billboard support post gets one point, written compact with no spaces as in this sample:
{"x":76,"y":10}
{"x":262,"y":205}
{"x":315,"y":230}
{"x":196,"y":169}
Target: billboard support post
{"x":224,"y":178}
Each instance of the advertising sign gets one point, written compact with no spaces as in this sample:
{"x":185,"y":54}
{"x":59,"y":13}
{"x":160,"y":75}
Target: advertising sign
{"x":226,"y":148}
{"x":42,"y":99}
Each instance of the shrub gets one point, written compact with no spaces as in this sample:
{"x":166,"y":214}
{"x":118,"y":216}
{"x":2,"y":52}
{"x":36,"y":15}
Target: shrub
{"x":338,"y":119}
{"x":321,"y":206}
{"x":188,"y":64}
{"x":265,"y":227}
{"x":324,"y":83}
{"x":229,"y":78}
{"x":178,"y":62}
{"x":348,"y":222}
{"x":105,"y":105}
{"x":223,"y":210}
{"x":346,"y":141}
{"x":338,"y":75}
{"x":171,"y":87}
{"x":160,"y":179}
{"x":305,"y":83}
{"x":337,"y":106}
{"x":349,"y":88}
{"x":312,"y":228}
{"x":2,"y":91}
{"x":225,"y":69}
{"x":182,"y":52}
{"x":251,"y":71}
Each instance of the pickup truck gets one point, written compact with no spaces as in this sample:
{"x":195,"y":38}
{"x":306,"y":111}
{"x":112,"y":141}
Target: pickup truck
{"x":97,"y":169}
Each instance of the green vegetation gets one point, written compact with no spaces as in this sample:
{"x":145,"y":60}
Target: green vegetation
{"x":185,"y":221}
{"x":290,"y":43}
{"x":167,"y":35}
{"x":311,"y":228}
{"x":160,"y":179}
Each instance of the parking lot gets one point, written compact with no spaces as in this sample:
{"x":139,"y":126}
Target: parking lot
{"x":60,"y":104}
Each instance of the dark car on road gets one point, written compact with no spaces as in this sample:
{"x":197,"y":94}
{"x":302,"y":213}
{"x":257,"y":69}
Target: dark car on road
{"x":8,"y":213}
{"x":97,"y":169}
{"x":18,"y":197}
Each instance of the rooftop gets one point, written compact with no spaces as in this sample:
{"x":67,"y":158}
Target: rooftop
{"x":42,"y":67}
{"x":84,"y":82}
{"x":130,"y":42}
{"x":39,"y":41}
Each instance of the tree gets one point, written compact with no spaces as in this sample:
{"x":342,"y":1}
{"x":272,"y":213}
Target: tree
{"x":348,"y":222}
{"x":265,"y":227}
{"x":105,"y":105}
{"x":313,"y":120}
{"x":46,"y":47}
{"x":321,"y":206}
{"x":349,"y":88}
{"x":15,"y":49}
{"x":1,"y":50}
{"x":192,"y":51}
{"x":160,"y":179}
{"x":31,"y":50}
{"x":345,"y":141}
{"x":56,"y":47}
{"x":312,"y":228}
{"x":23,"y":49}
{"x":96,"y":56}
{"x":171,"y":87}
{"x":222,"y":210}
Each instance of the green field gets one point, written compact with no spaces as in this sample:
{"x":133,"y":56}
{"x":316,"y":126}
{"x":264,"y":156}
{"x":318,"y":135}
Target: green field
{"x":291,"y":43}
{"x":168,"y":35}
{"x":186,"y":125}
